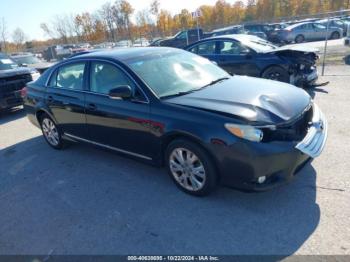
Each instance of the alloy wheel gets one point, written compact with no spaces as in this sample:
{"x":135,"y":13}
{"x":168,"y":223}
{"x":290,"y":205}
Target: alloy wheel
{"x":50,"y":131}
{"x":187,"y":169}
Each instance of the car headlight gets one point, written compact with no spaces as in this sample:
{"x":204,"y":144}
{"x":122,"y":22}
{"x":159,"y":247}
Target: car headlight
{"x":246,"y":132}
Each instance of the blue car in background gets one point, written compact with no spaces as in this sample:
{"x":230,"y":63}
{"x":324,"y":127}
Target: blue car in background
{"x":250,"y":55}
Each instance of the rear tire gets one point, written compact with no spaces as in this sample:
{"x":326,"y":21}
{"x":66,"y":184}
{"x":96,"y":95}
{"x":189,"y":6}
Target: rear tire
{"x":335,"y":35}
{"x":191,"y":168}
{"x":276,"y":73}
{"x":299,"y":39}
{"x":51,"y":132}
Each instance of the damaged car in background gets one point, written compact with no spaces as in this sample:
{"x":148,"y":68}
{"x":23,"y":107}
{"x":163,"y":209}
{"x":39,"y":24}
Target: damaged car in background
{"x":253,"y":56}
{"x":171,"y":108}
{"x":12,"y":80}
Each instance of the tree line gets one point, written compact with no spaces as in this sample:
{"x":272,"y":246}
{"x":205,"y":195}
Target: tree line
{"x":115,"y":21}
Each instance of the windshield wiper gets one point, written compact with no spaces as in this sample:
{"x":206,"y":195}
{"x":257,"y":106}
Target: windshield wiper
{"x":180,"y":93}
{"x":216,"y":81}
{"x":195,"y":89}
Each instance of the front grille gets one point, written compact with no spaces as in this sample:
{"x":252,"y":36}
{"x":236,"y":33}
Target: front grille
{"x":294,"y":131}
{"x":10,"y":85}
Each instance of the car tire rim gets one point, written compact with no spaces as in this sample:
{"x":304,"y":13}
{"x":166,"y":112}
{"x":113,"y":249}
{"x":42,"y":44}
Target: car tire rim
{"x":50,"y":132}
{"x":187,"y":169}
{"x":274,"y":76}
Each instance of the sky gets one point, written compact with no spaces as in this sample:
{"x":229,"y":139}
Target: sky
{"x":29,"y":14}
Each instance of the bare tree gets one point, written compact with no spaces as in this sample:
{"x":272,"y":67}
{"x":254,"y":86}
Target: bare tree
{"x":18,"y":37}
{"x":106,"y":13}
{"x":3,"y":34}
{"x":47,"y":30}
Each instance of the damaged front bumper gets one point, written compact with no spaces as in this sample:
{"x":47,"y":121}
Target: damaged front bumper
{"x":316,"y":137}
{"x":304,"y":77}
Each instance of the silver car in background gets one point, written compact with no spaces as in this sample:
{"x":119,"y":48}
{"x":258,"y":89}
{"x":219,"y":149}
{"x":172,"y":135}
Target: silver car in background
{"x":309,"y":31}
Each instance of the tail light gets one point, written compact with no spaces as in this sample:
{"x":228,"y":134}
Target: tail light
{"x":24,"y":92}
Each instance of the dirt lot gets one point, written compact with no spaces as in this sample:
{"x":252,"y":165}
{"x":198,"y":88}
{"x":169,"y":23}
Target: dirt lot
{"x":84,"y":200}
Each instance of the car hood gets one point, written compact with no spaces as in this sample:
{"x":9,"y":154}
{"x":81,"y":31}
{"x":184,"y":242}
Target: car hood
{"x":14,"y":72}
{"x":298,"y":48}
{"x":249,"y":99}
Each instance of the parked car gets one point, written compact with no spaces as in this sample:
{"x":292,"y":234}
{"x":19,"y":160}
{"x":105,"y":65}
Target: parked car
{"x":12,"y":79}
{"x":123,"y":44}
{"x":237,"y":29}
{"x":31,"y":61}
{"x":261,"y":30}
{"x":140,"y":42}
{"x":335,"y":22}
{"x":169,"y":107}
{"x":183,"y":38}
{"x":253,"y":56}
{"x":309,"y":31}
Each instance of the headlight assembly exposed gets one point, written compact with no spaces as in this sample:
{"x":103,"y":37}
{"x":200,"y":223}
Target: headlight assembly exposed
{"x":246,"y":132}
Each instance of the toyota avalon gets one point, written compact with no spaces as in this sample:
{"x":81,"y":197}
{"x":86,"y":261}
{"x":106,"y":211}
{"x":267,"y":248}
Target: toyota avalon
{"x":175,"y":109}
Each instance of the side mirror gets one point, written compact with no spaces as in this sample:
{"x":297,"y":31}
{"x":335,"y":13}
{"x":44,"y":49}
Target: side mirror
{"x":120,"y":92}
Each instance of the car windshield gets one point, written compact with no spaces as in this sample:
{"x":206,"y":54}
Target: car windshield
{"x":176,"y":72}
{"x":26,"y":60}
{"x":6,"y":63}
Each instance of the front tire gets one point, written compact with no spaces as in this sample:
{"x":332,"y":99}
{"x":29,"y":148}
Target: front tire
{"x":276,"y":73}
{"x":299,"y":39}
{"x":191,"y":168}
{"x":51,"y":132}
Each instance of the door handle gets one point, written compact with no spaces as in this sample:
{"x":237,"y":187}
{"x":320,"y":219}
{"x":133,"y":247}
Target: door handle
{"x":92,"y":107}
{"x":50,"y":99}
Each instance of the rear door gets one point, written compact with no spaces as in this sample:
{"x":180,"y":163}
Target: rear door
{"x":122,"y":124}
{"x":320,"y":31}
{"x":236,"y":59}
{"x":66,"y":98}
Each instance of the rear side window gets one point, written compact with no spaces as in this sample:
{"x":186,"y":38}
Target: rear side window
{"x":68,"y":76}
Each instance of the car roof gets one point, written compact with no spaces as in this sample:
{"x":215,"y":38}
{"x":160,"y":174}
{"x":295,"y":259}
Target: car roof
{"x":298,"y":24}
{"x":237,"y":37}
{"x":127,"y":53}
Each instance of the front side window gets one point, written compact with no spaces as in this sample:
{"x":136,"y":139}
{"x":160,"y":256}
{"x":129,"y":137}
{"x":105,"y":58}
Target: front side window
{"x":231,"y":48}
{"x":69,"y":77}
{"x":104,"y":77}
{"x":175,"y":72}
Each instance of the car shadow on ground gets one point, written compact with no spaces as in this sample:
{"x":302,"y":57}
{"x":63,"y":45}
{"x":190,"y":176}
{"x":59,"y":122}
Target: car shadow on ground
{"x":12,"y":114}
{"x":84,"y":200}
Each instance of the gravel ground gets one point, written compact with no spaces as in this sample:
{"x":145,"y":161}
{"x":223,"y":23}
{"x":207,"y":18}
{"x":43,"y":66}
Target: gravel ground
{"x":84,"y":200}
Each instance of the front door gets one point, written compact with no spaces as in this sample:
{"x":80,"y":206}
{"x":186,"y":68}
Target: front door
{"x":117,"y":123}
